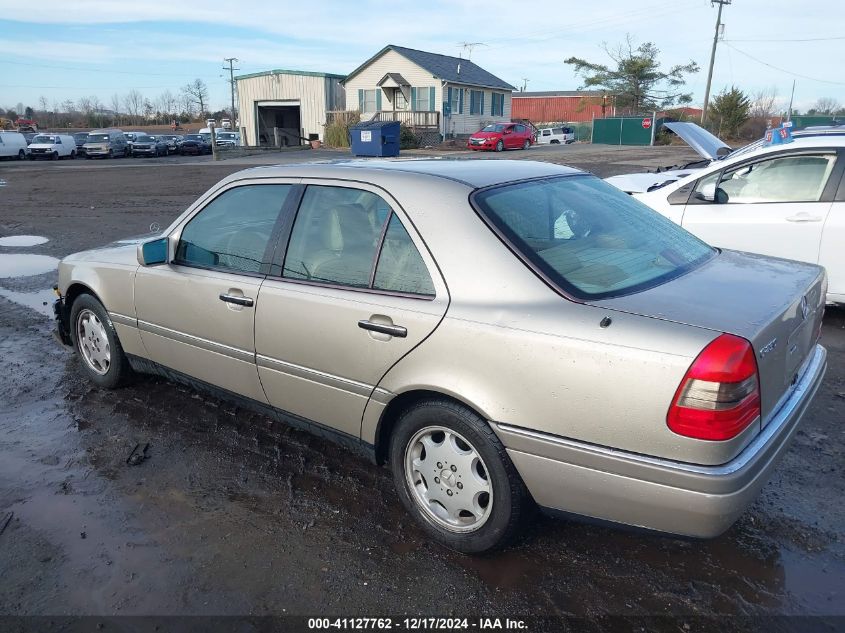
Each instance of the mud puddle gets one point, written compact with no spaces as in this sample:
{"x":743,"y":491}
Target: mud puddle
{"x":25,"y":265}
{"x":41,"y":300}
{"x":23,"y":240}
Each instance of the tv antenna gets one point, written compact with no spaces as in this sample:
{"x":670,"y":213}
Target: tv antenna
{"x":468,"y":46}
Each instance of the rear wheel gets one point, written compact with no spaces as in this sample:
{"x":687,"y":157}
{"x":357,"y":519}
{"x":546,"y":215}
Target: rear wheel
{"x":73,"y":154}
{"x":555,"y":142}
{"x":22,"y":155}
{"x":500,"y":146}
{"x":453,"y":475}
{"x":526,"y":144}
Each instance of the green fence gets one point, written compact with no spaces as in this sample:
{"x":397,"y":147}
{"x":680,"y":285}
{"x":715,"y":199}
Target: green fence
{"x":802,"y":121}
{"x":623,"y":130}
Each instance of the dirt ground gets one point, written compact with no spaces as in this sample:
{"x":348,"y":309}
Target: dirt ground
{"x":235,"y":514}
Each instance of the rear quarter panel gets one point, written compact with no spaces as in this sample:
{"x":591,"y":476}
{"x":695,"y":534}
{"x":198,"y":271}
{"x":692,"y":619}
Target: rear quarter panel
{"x":518,"y":353}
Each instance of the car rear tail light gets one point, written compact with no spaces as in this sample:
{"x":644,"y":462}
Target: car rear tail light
{"x":720,"y":394}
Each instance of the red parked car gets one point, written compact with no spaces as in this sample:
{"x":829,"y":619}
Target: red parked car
{"x":499,"y":136}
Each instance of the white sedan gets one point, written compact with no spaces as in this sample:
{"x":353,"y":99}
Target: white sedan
{"x":782,"y":200}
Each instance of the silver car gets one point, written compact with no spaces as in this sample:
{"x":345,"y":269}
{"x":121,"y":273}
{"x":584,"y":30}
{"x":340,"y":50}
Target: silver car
{"x":497,"y":332}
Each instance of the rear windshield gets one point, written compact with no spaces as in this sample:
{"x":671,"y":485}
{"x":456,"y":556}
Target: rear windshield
{"x":589,"y":238}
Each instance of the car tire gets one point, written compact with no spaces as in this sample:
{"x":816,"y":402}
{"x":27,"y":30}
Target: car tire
{"x":22,"y":154}
{"x":554,"y":142}
{"x":462,"y":448}
{"x":54,"y":156}
{"x":96,"y":344}
{"x":526,"y":144}
{"x":500,"y":146}
{"x":73,"y":154}
{"x":110,"y":154}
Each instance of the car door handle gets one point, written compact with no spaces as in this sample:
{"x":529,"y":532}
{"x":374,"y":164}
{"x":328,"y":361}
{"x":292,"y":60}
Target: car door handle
{"x":803,"y":217}
{"x":238,"y":301}
{"x":384,"y":328}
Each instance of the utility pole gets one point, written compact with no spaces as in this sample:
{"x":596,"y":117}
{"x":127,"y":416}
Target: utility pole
{"x":231,"y":69}
{"x":721,"y":3}
{"x":525,"y":81}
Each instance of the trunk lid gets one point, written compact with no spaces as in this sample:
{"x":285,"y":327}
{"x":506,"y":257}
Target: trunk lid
{"x":776,"y":304}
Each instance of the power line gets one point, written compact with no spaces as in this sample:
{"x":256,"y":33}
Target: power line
{"x":801,"y":39}
{"x":92,"y":70}
{"x":783,"y":70}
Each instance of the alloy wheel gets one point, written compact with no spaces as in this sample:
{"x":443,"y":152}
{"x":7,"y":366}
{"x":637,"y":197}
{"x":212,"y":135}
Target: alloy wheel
{"x":448,"y":479}
{"x":93,"y":341}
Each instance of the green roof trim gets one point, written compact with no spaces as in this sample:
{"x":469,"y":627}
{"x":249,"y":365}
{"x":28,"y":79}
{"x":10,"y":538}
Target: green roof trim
{"x":284,"y":71}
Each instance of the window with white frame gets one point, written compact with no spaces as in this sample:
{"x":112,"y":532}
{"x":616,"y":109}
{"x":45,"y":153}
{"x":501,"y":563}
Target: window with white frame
{"x":422,"y":100}
{"x":399,"y":99}
{"x":457,"y":102}
{"x":476,"y":102}
{"x":497,"y":104}
{"x":369,"y":101}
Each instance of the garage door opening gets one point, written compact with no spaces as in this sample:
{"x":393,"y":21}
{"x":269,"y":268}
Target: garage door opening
{"x":279,"y":124}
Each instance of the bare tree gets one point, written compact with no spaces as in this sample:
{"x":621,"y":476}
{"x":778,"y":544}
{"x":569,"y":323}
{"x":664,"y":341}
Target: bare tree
{"x":763,"y":103}
{"x":84,"y":105}
{"x":197,"y":91}
{"x":134,"y":102}
{"x":167,"y":103}
{"x":115,"y":106}
{"x":825,"y":105}
{"x":42,"y":101}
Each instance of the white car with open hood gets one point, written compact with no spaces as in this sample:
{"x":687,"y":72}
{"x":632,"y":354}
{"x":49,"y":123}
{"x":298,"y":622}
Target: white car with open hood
{"x":782,"y":200}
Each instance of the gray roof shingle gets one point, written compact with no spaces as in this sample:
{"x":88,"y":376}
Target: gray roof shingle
{"x":443,"y":67}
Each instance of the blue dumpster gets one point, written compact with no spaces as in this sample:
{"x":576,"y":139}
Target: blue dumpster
{"x":375,"y":138}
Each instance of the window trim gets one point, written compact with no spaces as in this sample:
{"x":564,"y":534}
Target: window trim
{"x":277,"y":265}
{"x":828,"y":193}
{"x":266,"y":258}
{"x":571,"y":294}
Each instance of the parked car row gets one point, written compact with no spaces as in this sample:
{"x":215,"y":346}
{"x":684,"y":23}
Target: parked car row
{"x":110,"y":143}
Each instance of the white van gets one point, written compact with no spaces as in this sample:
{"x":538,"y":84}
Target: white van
{"x":13,"y":145}
{"x":52,"y":146}
{"x":555,"y":135}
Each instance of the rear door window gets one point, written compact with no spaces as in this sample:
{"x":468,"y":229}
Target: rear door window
{"x":351,"y":237}
{"x":587,"y":237}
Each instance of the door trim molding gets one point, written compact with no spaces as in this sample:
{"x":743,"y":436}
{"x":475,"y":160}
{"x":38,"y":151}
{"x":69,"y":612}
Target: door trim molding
{"x":196,"y":341}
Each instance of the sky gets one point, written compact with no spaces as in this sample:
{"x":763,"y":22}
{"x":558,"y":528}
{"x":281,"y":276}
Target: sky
{"x":63,"y":50}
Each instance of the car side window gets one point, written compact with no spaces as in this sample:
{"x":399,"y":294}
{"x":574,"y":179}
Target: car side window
{"x":341,"y":233}
{"x":547,"y":132}
{"x":400,"y":266}
{"x":783,"y":179}
{"x":335,"y":236}
{"x":233,"y":230}
{"x":520,"y":129}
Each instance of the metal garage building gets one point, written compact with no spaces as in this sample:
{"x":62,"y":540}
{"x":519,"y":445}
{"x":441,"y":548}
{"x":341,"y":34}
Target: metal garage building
{"x":282,"y":107}
{"x":562,"y":106}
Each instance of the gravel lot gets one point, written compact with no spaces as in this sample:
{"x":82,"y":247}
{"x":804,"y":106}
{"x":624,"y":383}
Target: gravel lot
{"x":235,"y":514}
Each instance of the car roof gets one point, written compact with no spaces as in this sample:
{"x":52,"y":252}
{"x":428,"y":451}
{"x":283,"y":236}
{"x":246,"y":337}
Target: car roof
{"x":472,"y":172}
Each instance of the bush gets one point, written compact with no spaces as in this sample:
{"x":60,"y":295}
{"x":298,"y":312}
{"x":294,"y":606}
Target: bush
{"x":407,"y":138}
{"x":336,"y":133}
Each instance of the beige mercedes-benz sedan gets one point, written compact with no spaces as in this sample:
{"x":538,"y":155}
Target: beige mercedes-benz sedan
{"x":501,"y":333}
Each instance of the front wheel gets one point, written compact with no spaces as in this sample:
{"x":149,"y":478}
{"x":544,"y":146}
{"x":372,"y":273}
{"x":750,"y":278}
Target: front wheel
{"x":453,"y":475}
{"x":96,"y":343}
{"x":500,"y":146}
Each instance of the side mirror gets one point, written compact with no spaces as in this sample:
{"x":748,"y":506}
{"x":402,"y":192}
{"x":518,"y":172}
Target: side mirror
{"x":153,"y":252}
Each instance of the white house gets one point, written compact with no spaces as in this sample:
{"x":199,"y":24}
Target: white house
{"x":435,"y":94}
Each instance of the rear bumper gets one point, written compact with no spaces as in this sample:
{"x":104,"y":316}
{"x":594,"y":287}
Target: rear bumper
{"x":657,"y":494}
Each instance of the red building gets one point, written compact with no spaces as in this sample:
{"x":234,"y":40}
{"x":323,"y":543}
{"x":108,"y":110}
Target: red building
{"x":564,"y":106}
